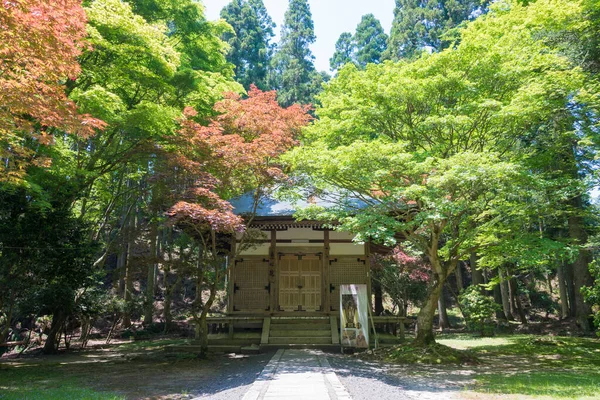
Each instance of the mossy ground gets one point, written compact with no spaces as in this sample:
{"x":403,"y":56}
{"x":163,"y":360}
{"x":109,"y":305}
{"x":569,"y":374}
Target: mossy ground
{"x":435,"y":354}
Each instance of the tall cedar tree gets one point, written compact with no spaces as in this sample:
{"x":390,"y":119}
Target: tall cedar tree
{"x":294,"y":71}
{"x":345,"y":50}
{"x":420,"y":25}
{"x":366,"y":46}
{"x":251,"y":49}
{"x":371,"y":41}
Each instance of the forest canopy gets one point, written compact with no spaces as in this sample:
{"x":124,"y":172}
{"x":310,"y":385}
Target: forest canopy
{"x":469,"y":133}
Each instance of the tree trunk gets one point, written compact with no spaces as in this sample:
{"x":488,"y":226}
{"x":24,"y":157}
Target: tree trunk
{"x":562,"y":290}
{"x":459,"y":278}
{"x":581,"y":273}
{"x":444,"y":322}
{"x":128,"y":295}
{"x":378,"y":294}
{"x":202,"y":326}
{"x":151,"y":278}
{"x":167,"y":301}
{"x":476,"y":274}
{"x":424,"y":335}
{"x":570,"y":289}
{"x":498,"y":299}
{"x":515,"y":293}
{"x":8,"y":319}
{"x":53,"y":339}
{"x":505,"y":295}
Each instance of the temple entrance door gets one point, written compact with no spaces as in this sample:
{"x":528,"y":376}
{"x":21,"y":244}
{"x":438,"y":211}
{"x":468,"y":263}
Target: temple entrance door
{"x":300,"y":283}
{"x":310,"y":273}
{"x":289,"y":283}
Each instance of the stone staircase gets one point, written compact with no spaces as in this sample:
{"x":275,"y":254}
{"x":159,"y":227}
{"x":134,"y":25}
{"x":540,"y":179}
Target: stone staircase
{"x":300,"y":331}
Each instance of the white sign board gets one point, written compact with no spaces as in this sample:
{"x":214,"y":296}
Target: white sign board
{"x":354,"y":317}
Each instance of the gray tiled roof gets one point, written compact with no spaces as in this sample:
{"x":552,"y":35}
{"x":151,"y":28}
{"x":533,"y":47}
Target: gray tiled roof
{"x":271,"y":207}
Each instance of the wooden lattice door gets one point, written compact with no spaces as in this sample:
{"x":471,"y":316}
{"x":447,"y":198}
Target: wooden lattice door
{"x":345,"y":271}
{"x":289,"y":283}
{"x":310,"y":273}
{"x":299,"y":283}
{"x":251,"y":285}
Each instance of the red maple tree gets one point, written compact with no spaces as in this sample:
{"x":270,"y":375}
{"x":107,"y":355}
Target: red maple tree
{"x":237,"y":152}
{"x":40,"y":41}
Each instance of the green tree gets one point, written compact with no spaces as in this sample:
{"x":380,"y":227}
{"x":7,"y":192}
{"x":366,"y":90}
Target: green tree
{"x":294,"y":70}
{"x":420,"y":25}
{"x":250,"y":48}
{"x":345,"y":50}
{"x":138,"y":72}
{"x":447,"y":176}
{"x":370,"y":41}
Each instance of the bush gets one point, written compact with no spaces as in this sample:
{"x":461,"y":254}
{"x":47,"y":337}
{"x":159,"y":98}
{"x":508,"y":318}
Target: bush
{"x":592,"y":294}
{"x":478,"y":310}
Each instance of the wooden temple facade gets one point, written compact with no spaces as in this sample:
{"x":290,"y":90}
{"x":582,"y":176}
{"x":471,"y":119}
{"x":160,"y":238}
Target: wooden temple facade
{"x":297,"y":269}
{"x":288,"y":284}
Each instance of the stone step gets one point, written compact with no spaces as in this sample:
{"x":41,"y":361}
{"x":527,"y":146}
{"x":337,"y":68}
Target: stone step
{"x":300,"y":340}
{"x":299,"y":333}
{"x":301,"y":327}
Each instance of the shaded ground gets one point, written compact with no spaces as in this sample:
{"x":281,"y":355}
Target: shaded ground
{"x":511,"y":367}
{"x":130,"y":373}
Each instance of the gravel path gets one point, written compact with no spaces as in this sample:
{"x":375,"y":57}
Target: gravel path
{"x":232,"y":377}
{"x":362,"y":379}
{"x":375,"y":380}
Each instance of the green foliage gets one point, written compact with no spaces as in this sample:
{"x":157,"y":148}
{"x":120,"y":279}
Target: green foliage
{"x":44,"y":254}
{"x":478,"y":308}
{"x":419,"y":26}
{"x":250,"y":47}
{"x":371,"y":41}
{"x":295,"y":76}
{"x":592,"y":293}
{"x":345,"y":50}
{"x":364,"y":47}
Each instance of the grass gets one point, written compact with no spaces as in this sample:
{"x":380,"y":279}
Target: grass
{"x":46,"y":384}
{"x":540,"y":367}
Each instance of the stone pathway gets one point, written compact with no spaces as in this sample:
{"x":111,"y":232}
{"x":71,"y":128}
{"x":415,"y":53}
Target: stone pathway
{"x":297,"y":374}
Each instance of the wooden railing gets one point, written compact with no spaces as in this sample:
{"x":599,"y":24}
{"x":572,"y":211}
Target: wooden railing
{"x":395,"y":321}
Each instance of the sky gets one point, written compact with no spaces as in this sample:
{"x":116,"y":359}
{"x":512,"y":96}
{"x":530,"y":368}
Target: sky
{"x":331,"y":18}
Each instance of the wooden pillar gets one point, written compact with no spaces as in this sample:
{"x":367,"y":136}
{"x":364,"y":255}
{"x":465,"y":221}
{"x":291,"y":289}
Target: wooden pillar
{"x":231,"y":275}
{"x":273,"y":272}
{"x":326,"y":297}
{"x":368,"y":272}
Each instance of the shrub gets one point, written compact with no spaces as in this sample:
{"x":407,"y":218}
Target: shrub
{"x":478,"y":310}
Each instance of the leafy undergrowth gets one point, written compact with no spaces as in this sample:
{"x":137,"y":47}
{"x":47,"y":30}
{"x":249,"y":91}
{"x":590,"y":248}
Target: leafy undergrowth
{"x":435,"y":354}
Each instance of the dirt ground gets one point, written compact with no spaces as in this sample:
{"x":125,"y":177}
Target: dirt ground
{"x":144,"y":373}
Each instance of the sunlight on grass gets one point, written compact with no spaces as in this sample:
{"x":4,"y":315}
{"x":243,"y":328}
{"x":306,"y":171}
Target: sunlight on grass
{"x":548,"y":367}
{"x":565,"y":385}
{"x":466,"y":342}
